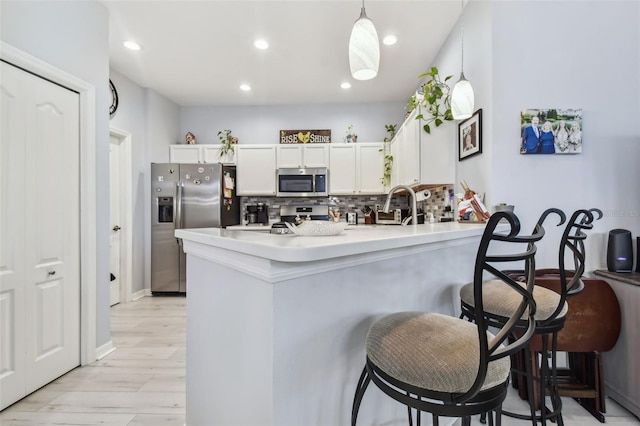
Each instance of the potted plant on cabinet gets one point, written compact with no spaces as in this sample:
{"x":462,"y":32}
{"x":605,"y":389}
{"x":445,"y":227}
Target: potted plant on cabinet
{"x":227,"y":140}
{"x":388,"y":158}
{"x":351,"y":135}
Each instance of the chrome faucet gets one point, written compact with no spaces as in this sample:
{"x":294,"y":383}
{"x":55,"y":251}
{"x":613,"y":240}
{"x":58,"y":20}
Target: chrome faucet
{"x":414,"y":213}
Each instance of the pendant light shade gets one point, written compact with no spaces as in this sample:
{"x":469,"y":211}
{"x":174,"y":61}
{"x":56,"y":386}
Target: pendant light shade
{"x":462,"y":99}
{"x":364,"y":48}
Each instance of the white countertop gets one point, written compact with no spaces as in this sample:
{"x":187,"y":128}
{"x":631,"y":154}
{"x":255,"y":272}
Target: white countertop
{"x":356,"y":239}
{"x":255,"y":227}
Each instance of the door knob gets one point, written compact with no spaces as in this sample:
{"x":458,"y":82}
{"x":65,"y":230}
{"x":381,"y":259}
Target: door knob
{"x":116,"y":228}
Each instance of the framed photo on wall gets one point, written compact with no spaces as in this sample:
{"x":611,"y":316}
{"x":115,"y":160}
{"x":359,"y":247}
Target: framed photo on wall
{"x":551,"y":131}
{"x":470,"y":136}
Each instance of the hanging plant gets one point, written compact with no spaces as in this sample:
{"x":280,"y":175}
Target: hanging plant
{"x":435,"y":99}
{"x":227,"y":140}
{"x":388,"y":158}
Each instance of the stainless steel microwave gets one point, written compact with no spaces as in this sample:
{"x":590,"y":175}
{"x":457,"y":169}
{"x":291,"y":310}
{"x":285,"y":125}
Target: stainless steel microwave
{"x":303,"y":182}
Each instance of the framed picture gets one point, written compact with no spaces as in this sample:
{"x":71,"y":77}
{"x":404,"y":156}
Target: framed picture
{"x":470,"y":136}
{"x":551,"y":131}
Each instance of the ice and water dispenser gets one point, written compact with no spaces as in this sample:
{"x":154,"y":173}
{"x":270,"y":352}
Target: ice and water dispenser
{"x":165,"y":209}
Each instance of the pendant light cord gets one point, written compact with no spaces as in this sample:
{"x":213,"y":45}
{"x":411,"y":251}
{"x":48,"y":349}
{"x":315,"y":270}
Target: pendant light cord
{"x":462,"y":36}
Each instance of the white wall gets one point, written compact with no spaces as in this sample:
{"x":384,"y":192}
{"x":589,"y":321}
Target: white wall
{"x":261,"y":125}
{"x":589,"y":60}
{"x":163,"y":120}
{"x":153,"y":122}
{"x":580,"y":60}
{"x":74,"y":37}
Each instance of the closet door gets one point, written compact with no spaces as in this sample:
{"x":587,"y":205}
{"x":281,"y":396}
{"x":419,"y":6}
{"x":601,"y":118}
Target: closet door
{"x":12,"y":239}
{"x":45,"y":325}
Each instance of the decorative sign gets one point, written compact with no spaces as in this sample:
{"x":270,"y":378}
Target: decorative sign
{"x":305,"y":136}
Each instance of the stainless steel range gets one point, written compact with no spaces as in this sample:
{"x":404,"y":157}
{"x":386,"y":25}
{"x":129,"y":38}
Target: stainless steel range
{"x":297,"y":214}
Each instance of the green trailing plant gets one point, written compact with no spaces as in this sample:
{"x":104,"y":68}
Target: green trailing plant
{"x":227,"y":140}
{"x":434,"y":98}
{"x":388,"y":158}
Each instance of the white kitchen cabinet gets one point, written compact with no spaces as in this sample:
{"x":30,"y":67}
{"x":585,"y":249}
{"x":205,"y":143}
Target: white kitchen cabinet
{"x":370,"y":168}
{"x":256,"y":170}
{"x":211,"y":154}
{"x":420,"y":157}
{"x":297,"y":155}
{"x":199,"y":154}
{"x":356,"y":169}
{"x":406,"y":152}
{"x":185,"y":154}
{"x":342,"y":169}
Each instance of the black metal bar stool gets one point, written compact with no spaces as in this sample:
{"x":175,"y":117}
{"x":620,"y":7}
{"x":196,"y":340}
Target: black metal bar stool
{"x":550,"y":315}
{"x":447,"y":366}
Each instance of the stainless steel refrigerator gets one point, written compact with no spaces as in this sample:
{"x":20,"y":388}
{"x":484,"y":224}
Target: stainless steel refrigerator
{"x":186,"y":196}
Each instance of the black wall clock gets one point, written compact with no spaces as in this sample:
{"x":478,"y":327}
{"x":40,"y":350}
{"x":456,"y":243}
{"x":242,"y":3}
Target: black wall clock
{"x":114,"y":99}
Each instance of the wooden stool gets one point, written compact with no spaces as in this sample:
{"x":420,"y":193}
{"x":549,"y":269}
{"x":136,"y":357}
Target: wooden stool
{"x":592,"y":326}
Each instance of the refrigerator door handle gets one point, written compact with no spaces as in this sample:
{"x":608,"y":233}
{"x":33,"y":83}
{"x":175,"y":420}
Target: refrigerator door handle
{"x":178,"y":221}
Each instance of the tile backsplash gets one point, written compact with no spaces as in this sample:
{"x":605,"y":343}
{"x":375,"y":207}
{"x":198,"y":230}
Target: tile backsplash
{"x":440,"y":203}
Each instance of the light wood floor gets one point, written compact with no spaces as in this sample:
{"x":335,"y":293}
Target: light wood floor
{"x":143,"y":381}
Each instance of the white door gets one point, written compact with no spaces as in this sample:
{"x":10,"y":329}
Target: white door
{"x":114,"y":219}
{"x":40,"y":240}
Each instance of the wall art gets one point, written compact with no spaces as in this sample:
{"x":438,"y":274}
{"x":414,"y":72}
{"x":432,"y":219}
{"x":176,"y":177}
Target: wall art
{"x":305,"y":136}
{"x":551,"y":131}
{"x":470,"y":136}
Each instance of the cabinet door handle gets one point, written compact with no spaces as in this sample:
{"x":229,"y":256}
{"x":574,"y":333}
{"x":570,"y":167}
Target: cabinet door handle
{"x":116,"y":228}
{"x":52,"y":273}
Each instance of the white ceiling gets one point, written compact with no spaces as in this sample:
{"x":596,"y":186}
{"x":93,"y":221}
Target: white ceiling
{"x":199,"y":52}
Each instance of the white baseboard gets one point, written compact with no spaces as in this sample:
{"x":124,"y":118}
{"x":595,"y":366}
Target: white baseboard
{"x":624,"y":400}
{"x":104,"y":350}
{"x":139,"y":294}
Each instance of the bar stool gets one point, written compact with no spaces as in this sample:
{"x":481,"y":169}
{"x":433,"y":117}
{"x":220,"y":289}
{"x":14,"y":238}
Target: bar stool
{"x":550,"y":315}
{"x":445,"y":365}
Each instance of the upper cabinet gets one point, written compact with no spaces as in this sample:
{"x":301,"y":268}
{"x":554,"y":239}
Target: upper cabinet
{"x":370,"y":168}
{"x":356,"y":169}
{"x":185,"y":154}
{"x":419,"y":157}
{"x":212,"y":154}
{"x":342,"y":169}
{"x":199,"y":154}
{"x":307,"y":155}
{"x":256,"y":170}
{"x":405,"y":149}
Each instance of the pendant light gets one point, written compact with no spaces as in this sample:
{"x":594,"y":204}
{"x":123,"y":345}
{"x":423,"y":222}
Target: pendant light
{"x":462,"y":98}
{"x":364,"y":48}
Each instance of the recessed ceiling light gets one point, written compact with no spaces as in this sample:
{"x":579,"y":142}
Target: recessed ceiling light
{"x":245,"y":87}
{"x":261,"y":44}
{"x":346,"y":85}
{"x":132,"y":45}
{"x":390,"y":40}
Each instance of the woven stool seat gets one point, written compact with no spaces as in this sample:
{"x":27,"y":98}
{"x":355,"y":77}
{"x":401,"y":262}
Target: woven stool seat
{"x":501,"y":300}
{"x":432,"y":351}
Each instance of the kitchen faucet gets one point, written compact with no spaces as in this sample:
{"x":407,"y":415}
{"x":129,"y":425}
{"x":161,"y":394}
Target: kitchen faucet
{"x":414,"y":214}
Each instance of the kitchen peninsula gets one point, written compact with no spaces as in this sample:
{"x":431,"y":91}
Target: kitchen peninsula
{"x":276,"y":324}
